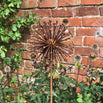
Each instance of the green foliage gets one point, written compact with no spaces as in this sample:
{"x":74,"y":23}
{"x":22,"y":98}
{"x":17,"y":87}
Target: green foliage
{"x":11,"y":24}
{"x":13,"y":61}
{"x":63,"y":91}
{"x":19,"y":100}
{"x":2,"y":51}
{"x":11,"y":30}
{"x":93,"y":89}
{"x":35,"y":88}
{"x":86,"y":99}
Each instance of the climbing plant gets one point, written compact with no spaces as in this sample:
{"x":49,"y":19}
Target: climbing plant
{"x":11,"y":24}
{"x":11,"y":30}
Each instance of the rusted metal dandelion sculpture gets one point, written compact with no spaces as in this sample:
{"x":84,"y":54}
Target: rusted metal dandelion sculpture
{"x":52,"y":43}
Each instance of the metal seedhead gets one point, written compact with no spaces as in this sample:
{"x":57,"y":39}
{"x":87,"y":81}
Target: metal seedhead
{"x":51,"y":41}
{"x":7,"y":69}
{"x":92,"y":56}
{"x":77,"y":58}
{"x":94,"y":46}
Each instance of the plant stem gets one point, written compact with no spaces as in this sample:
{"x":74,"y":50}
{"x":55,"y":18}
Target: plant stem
{"x":3,"y":95}
{"x":51,"y":85}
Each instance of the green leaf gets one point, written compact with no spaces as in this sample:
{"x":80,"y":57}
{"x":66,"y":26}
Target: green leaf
{"x":14,"y":37}
{"x":11,"y":5}
{"x":2,"y":53}
{"x":14,"y":27}
{"x":18,"y":25}
{"x":58,"y":65}
{"x":7,"y":11}
{"x":80,"y":96}
{"x":5,"y":39}
{"x":79,"y":100}
{"x":17,"y":34}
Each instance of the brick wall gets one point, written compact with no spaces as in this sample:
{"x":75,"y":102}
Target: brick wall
{"x":84,"y":19}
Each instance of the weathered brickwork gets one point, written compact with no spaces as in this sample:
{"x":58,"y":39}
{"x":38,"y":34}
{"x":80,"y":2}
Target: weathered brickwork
{"x":84,"y":19}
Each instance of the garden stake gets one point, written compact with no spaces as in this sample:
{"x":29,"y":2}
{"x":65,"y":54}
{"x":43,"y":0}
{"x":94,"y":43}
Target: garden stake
{"x":51,"y":43}
{"x":51,"y":83}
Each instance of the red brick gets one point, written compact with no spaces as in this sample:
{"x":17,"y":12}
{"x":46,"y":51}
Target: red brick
{"x":70,"y":59}
{"x":89,"y":41}
{"x":83,"y":71}
{"x":84,"y":78}
{"x":101,"y":11}
{"x":84,"y":51}
{"x":68,"y":2}
{"x":47,"y":3}
{"x":24,"y":38}
{"x":79,"y":78}
{"x":29,"y":4}
{"x":10,"y":52}
{"x":29,"y":70}
{"x":93,"y":21}
{"x":26,"y":55}
{"x":85,"y":11}
{"x":74,"y":70}
{"x":71,"y":30}
{"x":90,"y":2}
{"x":18,"y":45}
{"x":72,"y":75}
{"x":62,"y":12}
{"x":72,"y":22}
{"x":78,"y":41}
{"x":78,"y":90}
{"x":97,"y":63}
{"x":20,"y":70}
{"x":22,"y":63}
{"x":47,"y":20}
{"x":96,"y":81}
{"x":85,"y":61}
{"x":29,"y":47}
{"x":42,"y":12}
{"x":20,"y":13}
{"x":28,"y":64}
{"x":101,"y":52}
{"x":86,"y":31}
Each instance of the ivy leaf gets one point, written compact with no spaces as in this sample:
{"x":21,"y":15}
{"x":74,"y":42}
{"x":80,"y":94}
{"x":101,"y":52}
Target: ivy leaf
{"x":79,"y":100}
{"x":17,"y":34}
{"x":80,"y":96}
{"x":10,"y":33}
{"x":11,"y":5}
{"x":18,"y":25}
{"x":7,"y":11}
{"x":14,"y":27}
{"x":2,"y":54}
{"x":14,"y":38}
{"x":5,"y":39}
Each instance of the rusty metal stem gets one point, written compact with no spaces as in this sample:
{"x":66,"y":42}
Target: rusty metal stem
{"x":51,"y":79}
{"x":51,"y":85}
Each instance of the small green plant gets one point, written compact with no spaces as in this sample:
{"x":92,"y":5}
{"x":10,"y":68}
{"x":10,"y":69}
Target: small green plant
{"x":92,"y":87}
{"x":38,"y":90}
{"x":86,"y":99}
